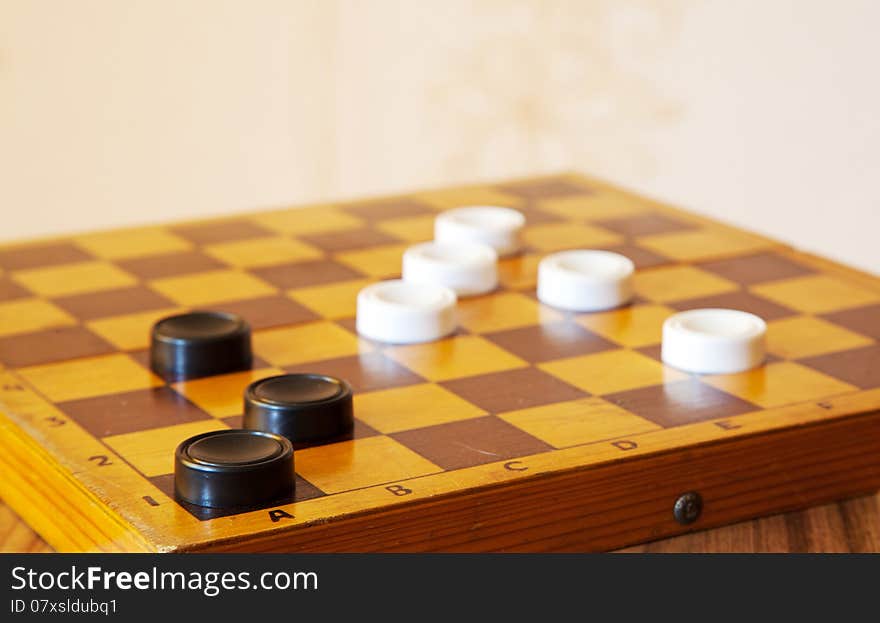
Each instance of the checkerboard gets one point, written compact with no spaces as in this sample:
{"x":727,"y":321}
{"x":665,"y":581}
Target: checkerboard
{"x":530,"y":428}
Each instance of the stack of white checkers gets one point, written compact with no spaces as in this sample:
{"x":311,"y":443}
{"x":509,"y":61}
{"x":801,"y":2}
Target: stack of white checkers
{"x":462,"y":261}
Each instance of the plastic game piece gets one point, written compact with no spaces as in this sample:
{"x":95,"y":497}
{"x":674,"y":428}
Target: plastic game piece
{"x":402,"y":312}
{"x":200,"y":344}
{"x":714,"y":341}
{"x":301,"y":407}
{"x":468,"y":268}
{"x":233,"y":468}
{"x":585,"y":280}
{"x":495,"y":226}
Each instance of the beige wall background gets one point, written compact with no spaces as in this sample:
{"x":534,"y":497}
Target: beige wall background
{"x":764,"y":114}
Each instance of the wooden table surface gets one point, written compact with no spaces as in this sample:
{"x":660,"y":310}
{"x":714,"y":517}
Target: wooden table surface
{"x":848,"y":526}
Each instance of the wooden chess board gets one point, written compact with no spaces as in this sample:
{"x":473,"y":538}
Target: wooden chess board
{"x":529,"y":429}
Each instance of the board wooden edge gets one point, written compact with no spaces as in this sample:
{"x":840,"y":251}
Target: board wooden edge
{"x":49,"y":498}
{"x":612,"y":505}
{"x":595,"y":507}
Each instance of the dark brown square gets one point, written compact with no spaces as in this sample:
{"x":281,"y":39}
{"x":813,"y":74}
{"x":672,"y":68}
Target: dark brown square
{"x":226,"y":231}
{"x":365,"y":373}
{"x":645,"y":225}
{"x":304,"y":490}
{"x":393,"y":207}
{"x":39,"y":255}
{"x":552,"y":340}
{"x":512,"y":390}
{"x":741,"y":300}
{"x":30,"y":349}
{"x":544,"y":188}
{"x":10,"y":290}
{"x":304,"y":274}
{"x":864,"y":320}
{"x":641,"y":257}
{"x":859,"y":367}
{"x":170,"y":264}
{"x":129,"y":412}
{"x":680,"y":402}
{"x":113,"y":302}
{"x":757,"y":268}
{"x":470,"y":442}
{"x":654,"y":351}
{"x":350,"y":325}
{"x":269,"y":311}
{"x":141,"y":357}
{"x":536,"y":216}
{"x":334,"y":242}
{"x":233,"y":421}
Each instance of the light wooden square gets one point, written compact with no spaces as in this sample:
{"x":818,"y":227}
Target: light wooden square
{"x":77,"y":278}
{"x":380,"y":261}
{"x":690,"y":246}
{"x":504,"y":310}
{"x":805,"y":336}
{"x":257,"y":252}
{"x":414,"y":406}
{"x":129,"y":243}
{"x":89,"y":376}
{"x":222,"y":395}
{"x":588,"y":420}
{"x":151,"y":452}
{"x":360,"y":463}
{"x":208,"y":288}
{"x":633,"y":326}
{"x":519,"y":272}
{"x":557,"y":236}
{"x":599,"y":206}
{"x":455,"y":357}
{"x":309,"y":220}
{"x":332,"y":300}
{"x":131,"y":331}
{"x":778,"y":384}
{"x":611,"y":371}
{"x":676,"y":283}
{"x":817,"y":294}
{"x":411,"y":228}
{"x":313,"y":341}
{"x":31,"y":314}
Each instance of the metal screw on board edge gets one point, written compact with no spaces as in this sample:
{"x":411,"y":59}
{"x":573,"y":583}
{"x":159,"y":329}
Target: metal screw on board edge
{"x":687,"y":508}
